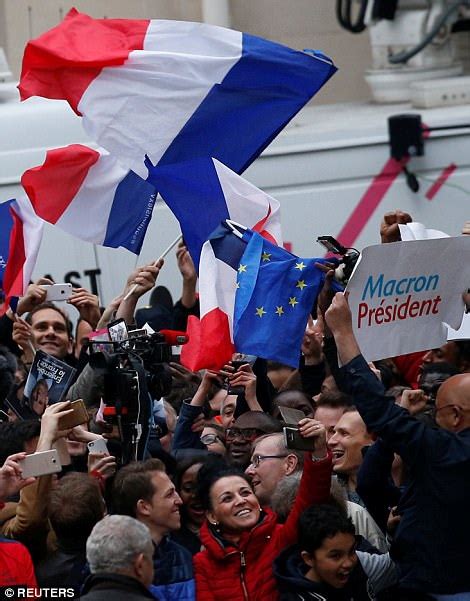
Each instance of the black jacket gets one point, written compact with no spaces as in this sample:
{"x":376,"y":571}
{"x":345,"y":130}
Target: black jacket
{"x":114,"y":587}
{"x":290,"y":570}
{"x":431,"y":541}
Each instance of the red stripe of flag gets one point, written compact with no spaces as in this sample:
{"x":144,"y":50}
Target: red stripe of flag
{"x":51,"y":187}
{"x":441,"y":180}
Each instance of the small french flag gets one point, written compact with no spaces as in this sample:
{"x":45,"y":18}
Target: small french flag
{"x":88,"y":194}
{"x":25,"y":230}
{"x":173,"y":90}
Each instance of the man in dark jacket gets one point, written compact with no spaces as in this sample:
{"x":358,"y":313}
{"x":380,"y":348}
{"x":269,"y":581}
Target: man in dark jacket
{"x":143,"y":490}
{"x":431,"y":541}
{"x":119,"y":551}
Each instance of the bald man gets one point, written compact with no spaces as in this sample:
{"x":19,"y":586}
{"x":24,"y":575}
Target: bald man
{"x":433,"y":536}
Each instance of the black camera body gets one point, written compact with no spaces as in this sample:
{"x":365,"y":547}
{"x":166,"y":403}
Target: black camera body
{"x":348,"y":257}
{"x":134,"y":374}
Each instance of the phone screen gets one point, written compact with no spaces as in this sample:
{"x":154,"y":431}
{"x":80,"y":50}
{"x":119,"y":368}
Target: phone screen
{"x":118,"y":331}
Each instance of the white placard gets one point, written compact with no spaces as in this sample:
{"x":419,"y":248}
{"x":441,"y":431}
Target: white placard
{"x":401,"y":294}
{"x":463,"y":333}
{"x":417,"y":231}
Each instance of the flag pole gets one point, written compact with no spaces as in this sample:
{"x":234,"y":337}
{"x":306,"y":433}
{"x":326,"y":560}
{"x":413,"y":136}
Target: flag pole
{"x":162,"y":256}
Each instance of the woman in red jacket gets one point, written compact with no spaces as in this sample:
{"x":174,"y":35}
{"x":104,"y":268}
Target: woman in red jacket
{"x":241,"y":539}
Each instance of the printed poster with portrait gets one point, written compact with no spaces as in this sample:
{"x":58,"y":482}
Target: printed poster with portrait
{"x":48,"y":381}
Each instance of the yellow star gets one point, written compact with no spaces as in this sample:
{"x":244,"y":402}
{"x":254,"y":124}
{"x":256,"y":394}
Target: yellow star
{"x":293,"y":301}
{"x":279,"y":311}
{"x":260,"y":311}
{"x":237,"y":285}
{"x":301,"y":284}
{"x":241,"y":268}
{"x":266,"y":256}
{"x":300,"y":266}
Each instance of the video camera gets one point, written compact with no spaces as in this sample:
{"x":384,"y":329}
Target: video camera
{"x":135,"y":371}
{"x":347,"y":261}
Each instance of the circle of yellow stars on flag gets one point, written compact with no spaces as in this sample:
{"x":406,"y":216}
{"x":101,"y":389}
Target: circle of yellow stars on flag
{"x":293,"y":300}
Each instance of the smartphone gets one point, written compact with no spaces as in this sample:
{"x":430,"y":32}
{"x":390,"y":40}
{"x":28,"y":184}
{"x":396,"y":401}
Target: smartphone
{"x":332,"y":245}
{"x":240,"y":359}
{"x":293,"y":440}
{"x":60,"y":446}
{"x":79,"y":416}
{"x":57,"y":292}
{"x":117,"y":330}
{"x":98,"y":447}
{"x":40,"y":464}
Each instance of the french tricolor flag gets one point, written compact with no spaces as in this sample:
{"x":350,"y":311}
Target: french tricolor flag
{"x":90,"y":195}
{"x":24,"y":229}
{"x":211,"y":343}
{"x":172,"y":90}
{"x":203,"y":193}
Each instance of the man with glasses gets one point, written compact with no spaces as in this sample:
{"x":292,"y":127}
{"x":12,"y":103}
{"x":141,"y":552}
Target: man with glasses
{"x":246,"y":429}
{"x":431,"y":540}
{"x":270,"y":463}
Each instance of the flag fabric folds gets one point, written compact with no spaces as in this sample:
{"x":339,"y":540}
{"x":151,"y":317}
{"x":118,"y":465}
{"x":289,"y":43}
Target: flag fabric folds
{"x":6,"y":227}
{"x":202,"y":193}
{"x":26,"y":231}
{"x":228,"y":93}
{"x":88,"y":194}
{"x":255,"y":298}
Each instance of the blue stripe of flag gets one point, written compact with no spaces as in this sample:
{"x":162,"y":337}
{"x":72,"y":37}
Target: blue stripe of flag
{"x":6,"y":225}
{"x":259,"y":95}
{"x":130,"y":213}
{"x":193,"y":192}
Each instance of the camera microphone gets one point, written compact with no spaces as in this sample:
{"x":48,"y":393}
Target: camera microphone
{"x":174,"y":337}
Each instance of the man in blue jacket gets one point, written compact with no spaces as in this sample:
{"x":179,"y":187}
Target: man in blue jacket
{"x":432,"y":539}
{"x":142,"y":490}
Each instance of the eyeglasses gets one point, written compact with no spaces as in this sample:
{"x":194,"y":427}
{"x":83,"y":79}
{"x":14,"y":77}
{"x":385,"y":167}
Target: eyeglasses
{"x":210,"y":439}
{"x":244,"y":433}
{"x":257,"y":459}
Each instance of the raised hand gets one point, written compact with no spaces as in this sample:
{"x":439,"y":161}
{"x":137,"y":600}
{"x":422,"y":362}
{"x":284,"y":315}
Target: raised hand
{"x":389,"y":230}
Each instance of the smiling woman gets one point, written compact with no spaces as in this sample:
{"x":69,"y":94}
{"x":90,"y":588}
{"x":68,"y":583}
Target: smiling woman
{"x":240,"y":538}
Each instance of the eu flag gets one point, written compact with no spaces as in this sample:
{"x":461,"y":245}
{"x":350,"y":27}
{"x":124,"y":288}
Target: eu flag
{"x":275,"y":294}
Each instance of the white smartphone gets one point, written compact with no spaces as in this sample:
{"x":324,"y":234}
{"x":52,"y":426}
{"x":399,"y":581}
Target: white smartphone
{"x":40,"y":464}
{"x":57,"y":292}
{"x":98,"y":447}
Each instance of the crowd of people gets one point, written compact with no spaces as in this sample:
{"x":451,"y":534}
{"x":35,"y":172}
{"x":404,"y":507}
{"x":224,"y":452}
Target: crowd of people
{"x":370,"y":501}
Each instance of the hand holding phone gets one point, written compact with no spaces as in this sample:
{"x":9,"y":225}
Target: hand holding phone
{"x":98,"y":447}
{"x":78,"y":415}
{"x":57,"y":292}
{"x":310,"y":435}
{"x":40,"y":464}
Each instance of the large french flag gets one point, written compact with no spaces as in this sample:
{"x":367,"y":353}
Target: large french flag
{"x":172,"y":90}
{"x":202,"y":193}
{"x":25,"y":230}
{"x":90,"y":195}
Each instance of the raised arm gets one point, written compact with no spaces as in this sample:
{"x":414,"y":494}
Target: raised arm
{"x":404,"y":434}
{"x":315,"y":483}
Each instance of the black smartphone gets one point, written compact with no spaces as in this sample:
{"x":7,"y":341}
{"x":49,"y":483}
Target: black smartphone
{"x":293,"y":440}
{"x":117,"y":330}
{"x":332,"y":245}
